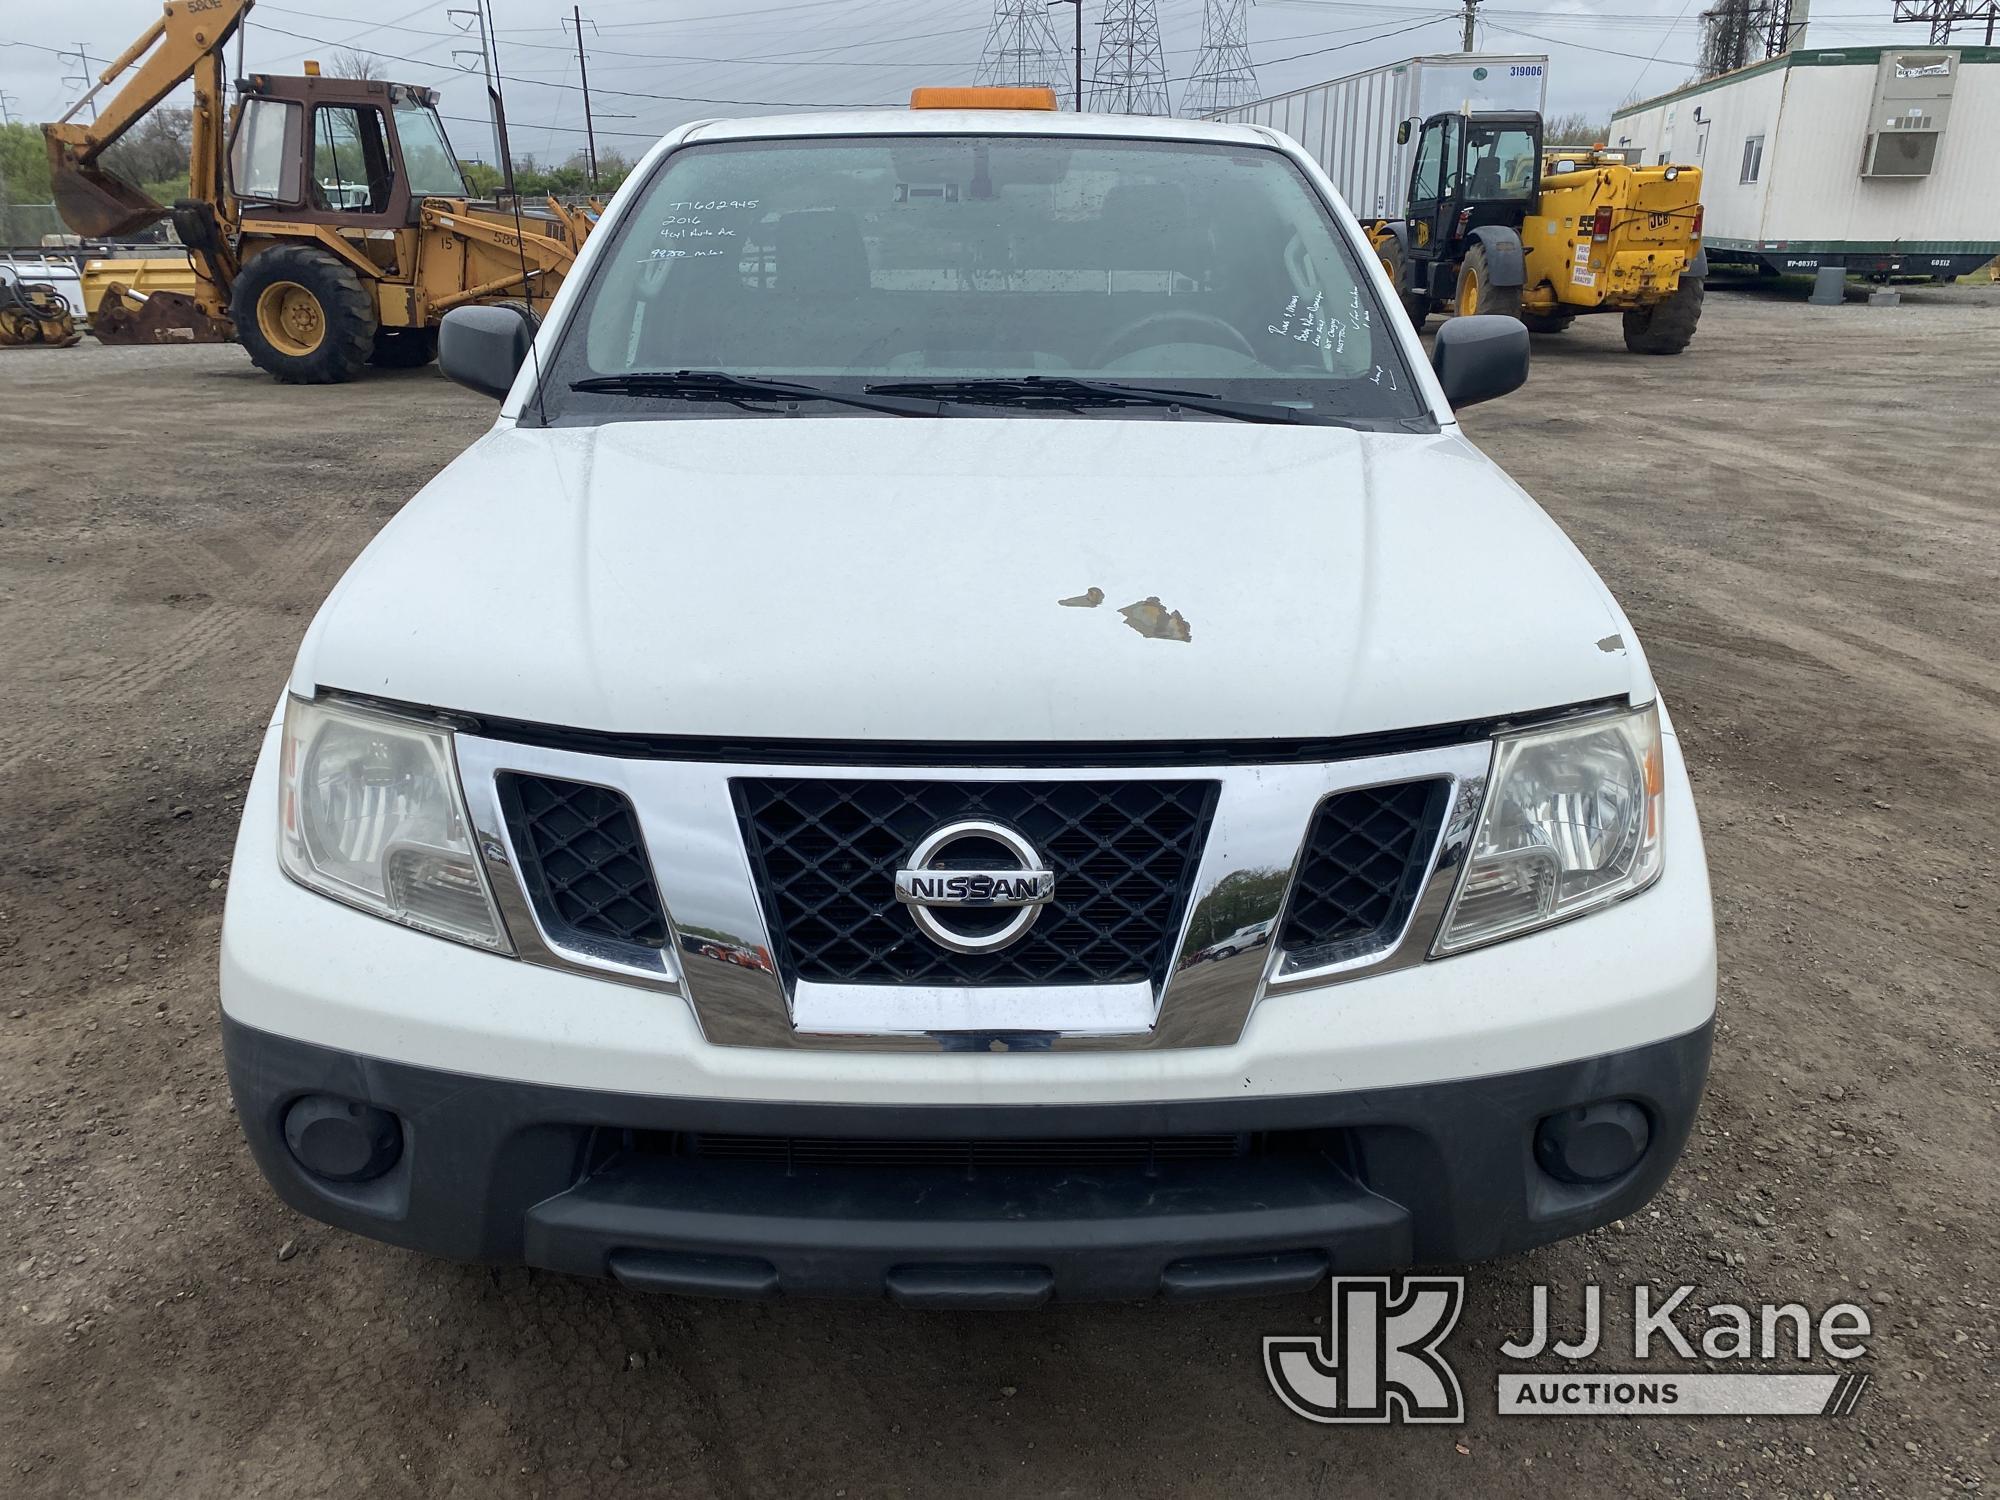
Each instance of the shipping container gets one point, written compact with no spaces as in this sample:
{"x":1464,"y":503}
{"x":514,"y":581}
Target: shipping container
{"x":1349,"y":124}
{"x":1879,"y":159}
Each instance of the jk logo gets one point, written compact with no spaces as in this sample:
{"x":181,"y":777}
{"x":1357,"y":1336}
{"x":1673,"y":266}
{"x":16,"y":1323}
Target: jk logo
{"x":1379,"y":1361}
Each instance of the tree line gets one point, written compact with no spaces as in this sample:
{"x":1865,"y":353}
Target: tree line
{"x":154,"y":157}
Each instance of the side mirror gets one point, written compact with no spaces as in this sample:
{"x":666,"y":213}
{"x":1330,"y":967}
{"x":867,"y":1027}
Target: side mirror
{"x":483,"y":348}
{"x":1478,"y":358}
{"x":1403,"y":133}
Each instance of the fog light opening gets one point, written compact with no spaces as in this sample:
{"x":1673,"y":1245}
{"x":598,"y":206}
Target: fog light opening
{"x":340,"y":1140}
{"x":1593,"y":1144}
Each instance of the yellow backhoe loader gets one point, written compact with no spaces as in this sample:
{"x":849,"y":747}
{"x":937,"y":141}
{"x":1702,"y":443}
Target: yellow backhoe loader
{"x":327,"y":219}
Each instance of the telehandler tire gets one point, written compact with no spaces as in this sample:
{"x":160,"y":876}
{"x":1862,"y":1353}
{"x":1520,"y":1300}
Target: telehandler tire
{"x":304,"y":316}
{"x":403,"y":348}
{"x":1476,"y":292}
{"x":1417,"y":305}
{"x":1668,"y":325}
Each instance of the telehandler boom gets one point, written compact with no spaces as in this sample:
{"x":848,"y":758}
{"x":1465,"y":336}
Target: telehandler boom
{"x":327,"y":219}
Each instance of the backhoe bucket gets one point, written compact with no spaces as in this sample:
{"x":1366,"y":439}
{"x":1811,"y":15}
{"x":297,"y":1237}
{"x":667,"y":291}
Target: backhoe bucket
{"x":128,"y":317}
{"x":92,"y":202}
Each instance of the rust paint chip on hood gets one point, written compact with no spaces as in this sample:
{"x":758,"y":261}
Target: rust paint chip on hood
{"x":1155,"y":621}
{"x":1090,"y":598}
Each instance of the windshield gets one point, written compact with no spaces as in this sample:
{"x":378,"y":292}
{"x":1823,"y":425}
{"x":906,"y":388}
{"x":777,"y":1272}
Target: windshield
{"x":846,"y":262}
{"x":1499,"y":164}
{"x":427,"y":156}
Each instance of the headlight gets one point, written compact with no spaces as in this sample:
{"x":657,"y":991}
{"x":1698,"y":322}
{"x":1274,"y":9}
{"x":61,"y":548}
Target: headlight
{"x":1572,"y":821}
{"x":370,"y":813}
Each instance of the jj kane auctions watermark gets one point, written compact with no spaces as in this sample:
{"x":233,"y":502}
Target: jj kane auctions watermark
{"x":1383,"y":1357}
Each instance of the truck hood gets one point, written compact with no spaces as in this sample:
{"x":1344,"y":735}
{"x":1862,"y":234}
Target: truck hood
{"x":973,"y":578}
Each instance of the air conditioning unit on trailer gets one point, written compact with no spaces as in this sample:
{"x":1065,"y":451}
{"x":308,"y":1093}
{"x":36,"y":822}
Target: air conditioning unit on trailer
{"x":1906,"y":117}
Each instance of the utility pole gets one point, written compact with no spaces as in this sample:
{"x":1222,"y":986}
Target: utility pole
{"x":7,"y":103}
{"x":84,"y":81}
{"x":583,"y":72}
{"x":496,"y":111}
{"x":1471,"y":11}
{"x":1079,"y":45}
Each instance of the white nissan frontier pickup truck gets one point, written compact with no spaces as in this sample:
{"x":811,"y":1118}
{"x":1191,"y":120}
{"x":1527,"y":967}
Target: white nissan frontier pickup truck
{"x":752,"y":825}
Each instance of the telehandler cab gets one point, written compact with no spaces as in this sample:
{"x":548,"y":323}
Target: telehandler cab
{"x":1492,"y":226}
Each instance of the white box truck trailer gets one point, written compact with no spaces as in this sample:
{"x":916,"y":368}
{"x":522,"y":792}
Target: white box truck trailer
{"x":1878,"y":159}
{"x":1349,"y":124}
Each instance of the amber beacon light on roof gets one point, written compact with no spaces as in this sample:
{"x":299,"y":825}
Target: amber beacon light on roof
{"x":983,"y":98}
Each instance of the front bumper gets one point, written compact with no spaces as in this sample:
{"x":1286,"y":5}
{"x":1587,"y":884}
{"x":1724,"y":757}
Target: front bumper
{"x":611,"y":1184}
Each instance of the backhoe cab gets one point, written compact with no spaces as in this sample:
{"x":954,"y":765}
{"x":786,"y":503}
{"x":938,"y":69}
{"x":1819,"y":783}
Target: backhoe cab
{"x":1495,"y":224}
{"x":327,"y":220}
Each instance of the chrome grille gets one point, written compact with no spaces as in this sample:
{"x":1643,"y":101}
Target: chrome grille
{"x":1360,"y":871}
{"x":582,"y":860}
{"x":825,"y":852}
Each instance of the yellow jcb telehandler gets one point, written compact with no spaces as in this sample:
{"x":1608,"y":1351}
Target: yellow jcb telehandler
{"x":327,"y":219}
{"x":1494,"y":227}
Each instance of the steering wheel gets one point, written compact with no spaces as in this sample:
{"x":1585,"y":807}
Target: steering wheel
{"x":1208,"y":328}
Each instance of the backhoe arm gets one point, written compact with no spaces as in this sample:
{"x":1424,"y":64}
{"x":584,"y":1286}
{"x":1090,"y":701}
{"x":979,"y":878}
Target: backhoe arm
{"x":185,"y":43}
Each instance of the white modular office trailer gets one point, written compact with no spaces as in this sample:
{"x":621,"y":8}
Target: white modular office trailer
{"x":1349,"y":124}
{"x":1879,"y":159}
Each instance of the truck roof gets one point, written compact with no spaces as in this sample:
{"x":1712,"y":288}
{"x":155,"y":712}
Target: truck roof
{"x":978,"y":122}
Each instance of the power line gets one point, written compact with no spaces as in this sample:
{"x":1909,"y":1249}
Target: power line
{"x":1380,"y":36}
{"x":1582,"y":46}
{"x":1633,"y":92}
{"x":623,"y":93}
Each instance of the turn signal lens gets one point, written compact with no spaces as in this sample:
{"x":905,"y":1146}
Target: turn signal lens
{"x":1600,"y":227}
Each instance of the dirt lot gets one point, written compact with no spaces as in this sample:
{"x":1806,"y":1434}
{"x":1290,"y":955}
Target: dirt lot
{"x":1803,"y":517}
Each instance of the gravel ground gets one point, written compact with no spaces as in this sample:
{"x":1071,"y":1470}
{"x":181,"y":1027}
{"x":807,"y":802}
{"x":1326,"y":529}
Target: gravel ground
{"x":1803,"y":518}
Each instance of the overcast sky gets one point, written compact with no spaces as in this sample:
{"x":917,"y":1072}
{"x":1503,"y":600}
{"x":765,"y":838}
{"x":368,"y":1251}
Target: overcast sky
{"x":756,"y":54}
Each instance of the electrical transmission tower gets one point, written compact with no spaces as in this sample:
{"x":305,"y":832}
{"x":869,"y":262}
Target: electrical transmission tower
{"x":1223,"y":77}
{"x":1021,"y":48}
{"x":1727,"y":37}
{"x":1784,"y":25}
{"x":1736,"y":33}
{"x":1942,"y":15}
{"x":1131,"y":75}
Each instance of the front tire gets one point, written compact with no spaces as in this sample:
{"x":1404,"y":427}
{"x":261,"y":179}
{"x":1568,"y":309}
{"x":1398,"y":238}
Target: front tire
{"x":1477,"y":295}
{"x":1416,"y":305}
{"x":303,"y":315}
{"x":1668,"y":325}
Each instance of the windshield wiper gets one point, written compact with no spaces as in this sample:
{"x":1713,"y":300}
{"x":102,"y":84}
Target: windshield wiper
{"x":1057,"y":392}
{"x":720,"y":385}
